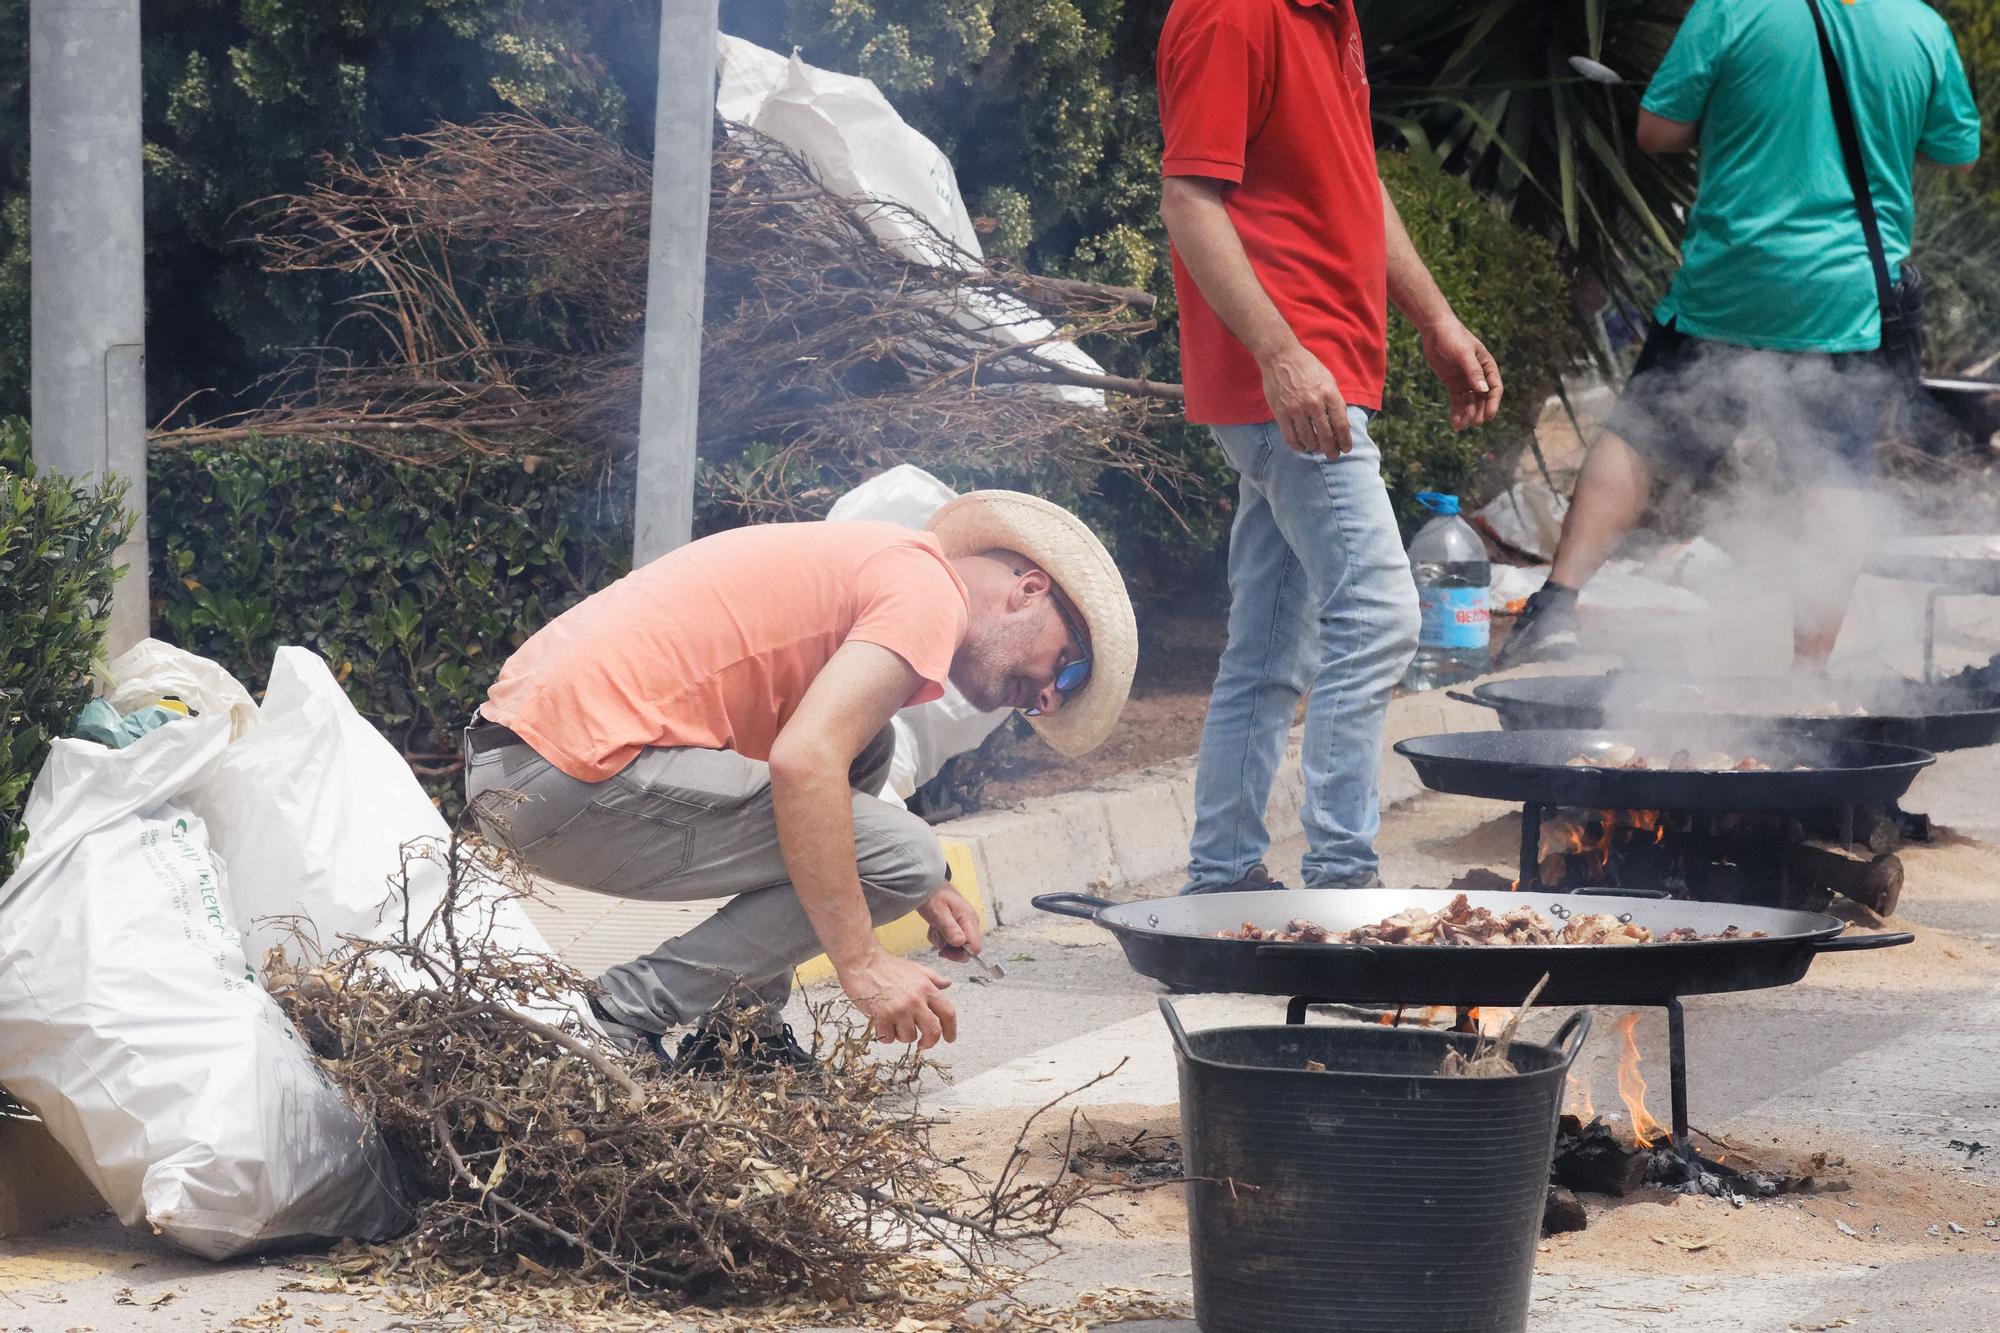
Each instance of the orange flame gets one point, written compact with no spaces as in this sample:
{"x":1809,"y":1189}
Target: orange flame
{"x":1632,"y":1088}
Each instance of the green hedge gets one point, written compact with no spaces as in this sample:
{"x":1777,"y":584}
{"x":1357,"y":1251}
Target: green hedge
{"x":1508,"y":288}
{"x":57,"y":541}
{"x":414,"y":582}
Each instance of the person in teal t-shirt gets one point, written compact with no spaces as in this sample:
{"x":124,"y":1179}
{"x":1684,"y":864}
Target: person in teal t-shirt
{"x":1772,"y":322}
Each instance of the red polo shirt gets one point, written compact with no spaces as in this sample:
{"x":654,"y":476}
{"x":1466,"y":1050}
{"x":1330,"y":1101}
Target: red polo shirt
{"x":1272,"y":97}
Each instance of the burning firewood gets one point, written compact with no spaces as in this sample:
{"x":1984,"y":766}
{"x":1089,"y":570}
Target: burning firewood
{"x":1591,"y":1159}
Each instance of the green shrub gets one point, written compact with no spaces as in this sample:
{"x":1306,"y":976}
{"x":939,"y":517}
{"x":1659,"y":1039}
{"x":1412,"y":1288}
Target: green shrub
{"x":57,"y":540}
{"x":1506,"y":285}
{"x":413,"y":582}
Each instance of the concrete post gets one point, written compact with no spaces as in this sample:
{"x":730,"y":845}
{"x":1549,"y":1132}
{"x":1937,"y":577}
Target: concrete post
{"x":683,"y":131}
{"x":86,"y":230}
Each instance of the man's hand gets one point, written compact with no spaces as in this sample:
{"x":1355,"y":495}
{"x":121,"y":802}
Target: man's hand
{"x":1467,"y":370}
{"x":1306,"y":403}
{"x":1304,"y":400}
{"x":903,"y":1000}
{"x":954,"y":923}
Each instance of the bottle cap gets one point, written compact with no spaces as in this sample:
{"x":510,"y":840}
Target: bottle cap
{"x":1438,"y":502}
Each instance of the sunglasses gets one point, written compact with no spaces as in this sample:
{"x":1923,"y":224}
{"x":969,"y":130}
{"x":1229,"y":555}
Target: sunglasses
{"x":1074,"y":672}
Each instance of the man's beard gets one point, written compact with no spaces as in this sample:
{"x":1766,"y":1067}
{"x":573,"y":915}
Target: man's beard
{"x":986,"y":671}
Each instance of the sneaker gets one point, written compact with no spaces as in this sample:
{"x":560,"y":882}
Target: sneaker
{"x":1367,"y":879}
{"x":1255,"y":880}
{"x":708,"y":1051}
{"x":1545,"y":631}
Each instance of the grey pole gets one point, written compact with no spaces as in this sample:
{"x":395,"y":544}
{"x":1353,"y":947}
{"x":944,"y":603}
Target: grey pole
{"x":87,"y":280}
{"x":670,"y":388}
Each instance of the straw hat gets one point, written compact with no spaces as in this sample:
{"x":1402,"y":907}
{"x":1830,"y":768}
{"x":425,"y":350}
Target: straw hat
{"x":1058,"y":542}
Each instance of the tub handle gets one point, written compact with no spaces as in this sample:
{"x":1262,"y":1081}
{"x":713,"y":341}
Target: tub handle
{"x":1174,"y":1026}
{"x":1570,"y":1036}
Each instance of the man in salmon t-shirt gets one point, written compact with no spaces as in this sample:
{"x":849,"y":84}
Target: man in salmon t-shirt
{"x":1286,"y":252}
{"x":716,"y":724}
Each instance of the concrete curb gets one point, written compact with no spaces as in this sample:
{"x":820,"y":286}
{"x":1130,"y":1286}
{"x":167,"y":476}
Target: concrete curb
{"x":1135,"y":828}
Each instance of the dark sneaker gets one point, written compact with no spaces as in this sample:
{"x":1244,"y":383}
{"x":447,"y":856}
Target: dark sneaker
{"x":1545,"y":631}
{"x":1367,"y":879}
{"x":707,"y":1051}
{"x":1255,"y":880}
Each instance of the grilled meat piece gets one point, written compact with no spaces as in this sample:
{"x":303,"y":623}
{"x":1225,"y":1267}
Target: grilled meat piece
{"x":1602,"y":928}
{"x":1305,"y":932}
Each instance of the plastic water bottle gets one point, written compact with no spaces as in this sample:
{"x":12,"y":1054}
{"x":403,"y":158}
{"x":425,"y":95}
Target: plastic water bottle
{"x":1452,"y":573}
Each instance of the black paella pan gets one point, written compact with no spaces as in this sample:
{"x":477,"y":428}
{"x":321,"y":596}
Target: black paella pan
{"x":1176,"y":941}
{"x":1540,"y":768}
{"x":1934,"y":716}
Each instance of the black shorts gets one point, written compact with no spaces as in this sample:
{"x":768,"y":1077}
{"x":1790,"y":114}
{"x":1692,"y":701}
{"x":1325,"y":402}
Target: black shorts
{"x":1689,"y":400}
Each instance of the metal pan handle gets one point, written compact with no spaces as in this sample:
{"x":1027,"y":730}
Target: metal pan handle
{"x":1080,"y":905}
{"x":1618,"y":893}
{"x":1174,"y":1026}
{"x":1297,"y":948}
{"x":1570,"y":1036}
{"x":1851,"y":943}
{"x":1465,"y":698}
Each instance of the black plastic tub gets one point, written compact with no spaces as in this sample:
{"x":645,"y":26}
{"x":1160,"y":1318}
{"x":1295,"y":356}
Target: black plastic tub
{"x":1373,"y":1196}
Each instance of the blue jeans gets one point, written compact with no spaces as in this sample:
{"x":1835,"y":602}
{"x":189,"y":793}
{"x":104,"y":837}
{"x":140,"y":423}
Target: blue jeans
{"x":1320,"y":599}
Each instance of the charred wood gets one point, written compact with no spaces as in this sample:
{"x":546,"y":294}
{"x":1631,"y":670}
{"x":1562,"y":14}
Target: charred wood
{"x":1876,"y":882}
{"x":1562,"y":1212}
{"x":1590,"y":1158}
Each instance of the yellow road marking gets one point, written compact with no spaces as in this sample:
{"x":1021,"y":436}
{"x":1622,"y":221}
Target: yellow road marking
{"x":910,"y":934}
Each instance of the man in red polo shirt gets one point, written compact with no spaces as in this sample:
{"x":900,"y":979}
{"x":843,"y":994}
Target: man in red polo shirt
{"x":1286,"y":252}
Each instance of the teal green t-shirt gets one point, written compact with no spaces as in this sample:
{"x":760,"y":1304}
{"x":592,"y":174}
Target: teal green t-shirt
{"x":1774,"y":255}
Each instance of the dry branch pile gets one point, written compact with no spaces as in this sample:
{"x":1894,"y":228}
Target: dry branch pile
{"x":532,"y":1146}
{"x":503,"y":267}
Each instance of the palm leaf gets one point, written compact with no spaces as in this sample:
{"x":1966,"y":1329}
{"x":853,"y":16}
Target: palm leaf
{"x":1484,"y":85}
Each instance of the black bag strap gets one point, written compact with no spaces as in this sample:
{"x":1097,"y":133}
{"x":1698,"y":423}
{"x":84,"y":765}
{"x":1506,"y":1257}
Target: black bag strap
{"x":1857,"y":171}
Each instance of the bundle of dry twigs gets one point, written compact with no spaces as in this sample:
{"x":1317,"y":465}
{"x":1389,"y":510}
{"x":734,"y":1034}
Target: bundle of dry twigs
{"x":503,"y":282}
{"x":527,"y":1140}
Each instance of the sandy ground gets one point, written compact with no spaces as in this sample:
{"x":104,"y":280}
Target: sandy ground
{"x":1891,"y":1202}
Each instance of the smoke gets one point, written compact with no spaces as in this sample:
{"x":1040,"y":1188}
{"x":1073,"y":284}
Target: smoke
{"x":1774,"y":458}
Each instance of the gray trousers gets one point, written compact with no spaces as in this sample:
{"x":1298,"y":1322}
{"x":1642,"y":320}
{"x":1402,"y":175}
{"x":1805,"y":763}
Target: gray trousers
{"x":680,"y":824}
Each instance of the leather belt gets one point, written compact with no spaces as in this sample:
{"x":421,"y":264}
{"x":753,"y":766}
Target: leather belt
{"x":482,"y":736}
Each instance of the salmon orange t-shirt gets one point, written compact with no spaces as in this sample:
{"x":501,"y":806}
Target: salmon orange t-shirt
{"x":713,"y":646}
